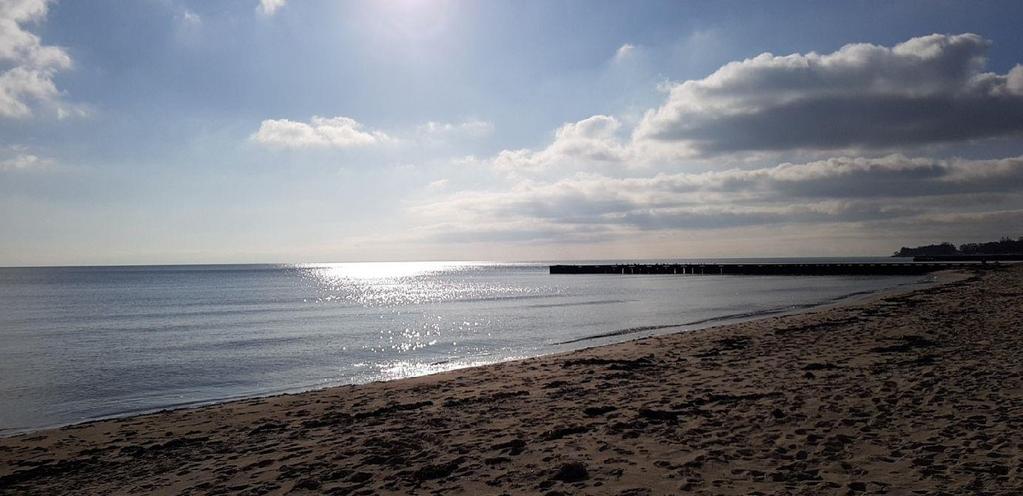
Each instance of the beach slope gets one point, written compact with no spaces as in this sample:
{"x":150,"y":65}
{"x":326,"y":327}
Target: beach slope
{"x":918,"y":393}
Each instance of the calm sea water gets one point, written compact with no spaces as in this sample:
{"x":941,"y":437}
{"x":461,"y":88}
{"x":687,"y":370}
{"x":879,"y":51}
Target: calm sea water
{"x":80,"y":343}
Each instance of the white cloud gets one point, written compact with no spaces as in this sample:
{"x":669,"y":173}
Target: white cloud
{"x":19,"y":160}
{"x":862,"y":103}
{"x":190,"y":18}
{"x":1014,"y":80}
{"x":931,"y":89}
{"x":270,"y":7}
{"x":28,"y":66}
{"x":472,"y":128}
{"x":927,"y":90}
{"x":319,"y":132}
{"x":624,"y":52}
{"x":345,"y":132}
{"x":839,"y":190}
{"x":593,"y":140}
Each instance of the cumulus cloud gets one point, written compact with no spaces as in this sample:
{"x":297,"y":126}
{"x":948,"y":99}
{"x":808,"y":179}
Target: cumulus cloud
{"x":591,"y":140}
{"x":473,"y":128}
{"x":1014,"y":80}
{"x":17,"y":159}
{"x":270,"y":7}
{"x":866,"y":98}
{"x":319,"y":132}
{"x":190,"y":18}
{"x":624,"y":52}
{"x":931,"y":89}
{"x":28,"y":66}
{"x":837,"y":190}
{"x":866,"y":106}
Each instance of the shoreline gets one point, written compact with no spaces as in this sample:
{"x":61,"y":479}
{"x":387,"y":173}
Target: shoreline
{"x":764,"y":404}
{"x":936,"y":278}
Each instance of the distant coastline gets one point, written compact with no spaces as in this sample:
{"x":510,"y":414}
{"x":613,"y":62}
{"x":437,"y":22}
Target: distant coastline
{"x":1004,"y":246}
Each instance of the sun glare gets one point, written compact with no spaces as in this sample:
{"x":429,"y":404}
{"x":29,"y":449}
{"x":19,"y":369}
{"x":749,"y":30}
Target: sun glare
{"x":412,"y":19}
{"x":381,"y":270}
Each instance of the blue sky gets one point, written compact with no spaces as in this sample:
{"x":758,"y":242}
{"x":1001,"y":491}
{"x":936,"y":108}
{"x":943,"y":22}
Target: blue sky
{"x":164,"y":131}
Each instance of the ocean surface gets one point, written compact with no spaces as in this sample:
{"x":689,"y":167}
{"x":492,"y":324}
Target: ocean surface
{"x":81,"y":343}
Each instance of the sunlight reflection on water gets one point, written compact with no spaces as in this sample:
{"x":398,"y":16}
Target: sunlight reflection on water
{"x":390,"y":284}
{"x":403,"y":293}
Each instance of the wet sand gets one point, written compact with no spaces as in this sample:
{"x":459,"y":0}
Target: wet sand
{"x":918,"y":393}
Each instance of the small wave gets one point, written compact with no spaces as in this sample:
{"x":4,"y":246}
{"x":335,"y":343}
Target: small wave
{"x":719,"y":318}
{"x":620,"y":332}
{"x":577,"y":303}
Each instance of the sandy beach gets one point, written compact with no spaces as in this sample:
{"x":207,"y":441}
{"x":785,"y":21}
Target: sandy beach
{"x":916,"y":393}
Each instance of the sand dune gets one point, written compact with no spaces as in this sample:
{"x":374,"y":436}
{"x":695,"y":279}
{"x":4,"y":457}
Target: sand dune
{"x":919,"y":393}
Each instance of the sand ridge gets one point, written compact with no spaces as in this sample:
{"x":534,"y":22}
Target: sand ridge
{"x":918,"y":393}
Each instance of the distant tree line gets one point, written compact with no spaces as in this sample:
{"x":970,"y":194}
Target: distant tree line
{"x":1002,"y":246}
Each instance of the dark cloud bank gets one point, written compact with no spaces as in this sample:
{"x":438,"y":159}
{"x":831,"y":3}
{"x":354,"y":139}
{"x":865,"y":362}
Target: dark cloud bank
{"x":868,"y":104}
{"x":933,"y":89}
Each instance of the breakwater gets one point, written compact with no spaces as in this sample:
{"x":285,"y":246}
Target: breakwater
{"x":768,"y":269}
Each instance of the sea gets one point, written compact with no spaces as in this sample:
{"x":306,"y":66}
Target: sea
{"x":85,"y":343}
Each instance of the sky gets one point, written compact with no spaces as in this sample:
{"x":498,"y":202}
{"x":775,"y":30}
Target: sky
{"x":246,"y":131}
